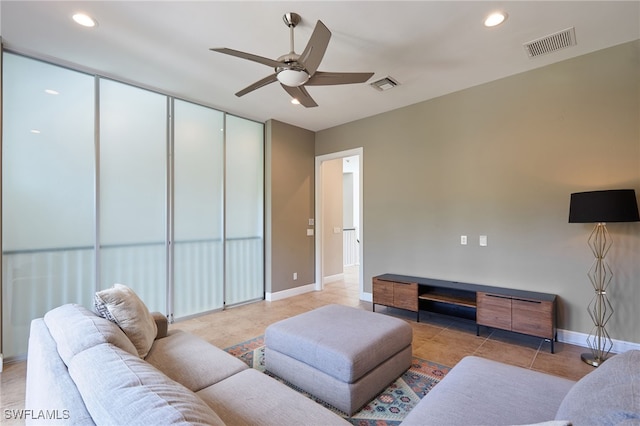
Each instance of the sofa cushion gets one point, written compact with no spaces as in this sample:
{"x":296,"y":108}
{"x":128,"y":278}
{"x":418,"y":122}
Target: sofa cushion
{"x":254,"y":398}
{"x":609,"y":394}
{"x":119,"y":388}
{"x":191,"y":361}
{"x":75,"y":328}
{"x":122,"y":305}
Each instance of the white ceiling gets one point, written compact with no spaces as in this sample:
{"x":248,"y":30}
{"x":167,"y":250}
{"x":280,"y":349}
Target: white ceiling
{"x":431,"y":47}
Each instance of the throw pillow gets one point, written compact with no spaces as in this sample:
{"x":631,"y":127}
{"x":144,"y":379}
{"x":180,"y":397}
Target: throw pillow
{"x":608,"y":395}
{"x":122,"y":306}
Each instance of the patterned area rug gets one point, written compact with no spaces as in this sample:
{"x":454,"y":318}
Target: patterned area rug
{"x":388,"y":408}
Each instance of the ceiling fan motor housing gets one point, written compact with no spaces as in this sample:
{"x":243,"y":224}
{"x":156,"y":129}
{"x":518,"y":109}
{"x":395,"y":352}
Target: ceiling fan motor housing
{"x":294,"y":74}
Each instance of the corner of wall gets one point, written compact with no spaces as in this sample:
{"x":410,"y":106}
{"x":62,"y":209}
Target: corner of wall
{"x":268,"y":130}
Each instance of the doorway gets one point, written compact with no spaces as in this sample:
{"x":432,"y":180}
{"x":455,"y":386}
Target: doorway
{"x":339,"y":229}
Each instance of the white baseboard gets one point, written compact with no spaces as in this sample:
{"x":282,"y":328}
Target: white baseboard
{"x":279,"y":295}
{"x":367,"y":297}
{"x":580,"y":339}
{"x":333,"y":278}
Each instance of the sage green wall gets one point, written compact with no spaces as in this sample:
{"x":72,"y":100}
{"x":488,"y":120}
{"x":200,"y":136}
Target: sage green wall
{"x":500,"y":160}
{"x":290,"y":186}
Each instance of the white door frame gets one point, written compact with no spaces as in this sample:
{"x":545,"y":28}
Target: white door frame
{"x":318,"y":214}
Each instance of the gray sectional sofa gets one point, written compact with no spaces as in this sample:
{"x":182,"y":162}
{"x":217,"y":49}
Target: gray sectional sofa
{"x":83,"y":369}
{"x":479,"y":391}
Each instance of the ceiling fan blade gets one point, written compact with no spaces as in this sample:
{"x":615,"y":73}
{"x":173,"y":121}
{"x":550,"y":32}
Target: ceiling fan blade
{"x":258,"y":84}
{"x":301,"y":94}
{"x":317,"y":45}
{"x":321,"y":78}
{"x":249,"y":56}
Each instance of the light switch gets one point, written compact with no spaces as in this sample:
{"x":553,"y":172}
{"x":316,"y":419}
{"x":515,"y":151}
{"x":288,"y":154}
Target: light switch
{"x":312,"y":222}
{"x":483,"y":240}
{"x":310,"y":232}
{"x":336,"y":229}
{"x":463,"y":240}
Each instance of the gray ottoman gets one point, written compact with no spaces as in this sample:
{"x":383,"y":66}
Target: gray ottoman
{"x":342,"y":355}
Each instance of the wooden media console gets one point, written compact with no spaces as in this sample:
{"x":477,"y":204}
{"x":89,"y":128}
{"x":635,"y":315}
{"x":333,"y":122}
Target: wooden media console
{"x":520,"y":311}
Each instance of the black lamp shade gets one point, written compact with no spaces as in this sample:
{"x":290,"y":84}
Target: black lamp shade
{"x":615,"y":205}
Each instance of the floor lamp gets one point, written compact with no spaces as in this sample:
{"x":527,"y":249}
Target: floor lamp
{"x":600,"y":207}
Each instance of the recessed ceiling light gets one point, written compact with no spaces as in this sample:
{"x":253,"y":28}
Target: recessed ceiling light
{"x":84,"y":20}
{"x":35,"y":131}
{"x":495,"y":19}
{"x":51,"y":92}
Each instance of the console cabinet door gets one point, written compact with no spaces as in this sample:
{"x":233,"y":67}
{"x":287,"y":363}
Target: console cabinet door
{"x":493,"y":311}
{"x":405,"y":296}
{"x":533,"y":317}
{"x":382,"y":292}
{"x":394,"y":294}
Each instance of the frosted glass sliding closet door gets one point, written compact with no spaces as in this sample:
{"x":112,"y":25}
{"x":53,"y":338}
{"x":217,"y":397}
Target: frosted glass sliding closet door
{"x":244,"y":205}
{"x":198,"y":250}
{"x":48,"y":186}
{"x":133,"y":191}
{"x":104,"y":182}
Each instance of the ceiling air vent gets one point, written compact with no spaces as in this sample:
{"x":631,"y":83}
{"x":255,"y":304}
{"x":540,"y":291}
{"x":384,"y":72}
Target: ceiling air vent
{"x":384,"y":84}
{"x":551,"y":43}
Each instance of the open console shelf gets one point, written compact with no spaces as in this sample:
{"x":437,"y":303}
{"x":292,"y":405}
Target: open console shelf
{"x":519,"y":311}
{"x":465,"y":299}
{"x":447,"y":301}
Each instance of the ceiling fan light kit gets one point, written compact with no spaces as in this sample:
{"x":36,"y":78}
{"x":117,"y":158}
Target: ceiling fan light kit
{"x":292,"y":78}
{"x":294,"y":71}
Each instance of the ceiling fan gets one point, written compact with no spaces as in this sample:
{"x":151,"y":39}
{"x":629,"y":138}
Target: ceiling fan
{"x":294,"y":71}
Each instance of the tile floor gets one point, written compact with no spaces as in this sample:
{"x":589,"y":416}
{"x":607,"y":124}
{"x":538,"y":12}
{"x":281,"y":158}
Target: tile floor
{"x":437,"y":338}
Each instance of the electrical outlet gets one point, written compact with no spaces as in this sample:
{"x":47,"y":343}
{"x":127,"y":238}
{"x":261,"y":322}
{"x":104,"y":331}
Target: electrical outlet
{"x":463,"y":240}
{"x":295,"y":276}
{"x":483,"y":240}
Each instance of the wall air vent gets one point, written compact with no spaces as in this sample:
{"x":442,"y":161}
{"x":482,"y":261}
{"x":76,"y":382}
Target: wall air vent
{"x":384,"y":84}
{"x":551,"y":43}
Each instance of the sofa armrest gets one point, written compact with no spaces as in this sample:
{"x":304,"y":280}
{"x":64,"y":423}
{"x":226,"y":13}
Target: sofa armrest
{"x":162,"y":323}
